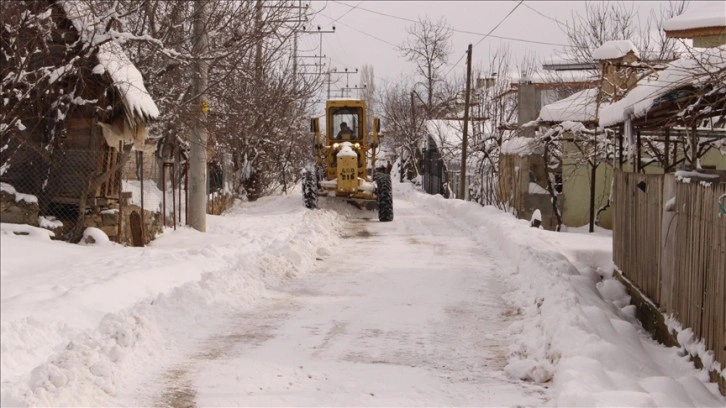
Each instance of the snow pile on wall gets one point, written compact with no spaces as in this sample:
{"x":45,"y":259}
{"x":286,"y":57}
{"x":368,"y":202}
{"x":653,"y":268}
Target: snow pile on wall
{"x":614,"y":49}
{"x":521,"y":146}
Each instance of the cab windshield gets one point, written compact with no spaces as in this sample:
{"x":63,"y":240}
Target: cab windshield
{"x":346,"y":124}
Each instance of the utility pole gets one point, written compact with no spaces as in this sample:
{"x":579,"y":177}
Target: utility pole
{"x":198,"y":150}
{"x":465,"y":136}
{"x":413,"y":129}
{"x":344,"y":72}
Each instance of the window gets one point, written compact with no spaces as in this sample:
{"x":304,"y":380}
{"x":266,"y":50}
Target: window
{"x":346,"y":124}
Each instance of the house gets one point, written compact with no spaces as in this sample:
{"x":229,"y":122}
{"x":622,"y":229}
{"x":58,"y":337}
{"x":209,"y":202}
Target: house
{"x":705,"y":25}
{"x":669,"y":236}
{"x":74,"y":170}
{"x":572,"y":122}
{"x":529,"y":178}
{"x":442,"y":155}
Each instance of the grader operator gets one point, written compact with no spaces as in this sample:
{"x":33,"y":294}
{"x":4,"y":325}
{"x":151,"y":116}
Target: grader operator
{"x":345,"y":160}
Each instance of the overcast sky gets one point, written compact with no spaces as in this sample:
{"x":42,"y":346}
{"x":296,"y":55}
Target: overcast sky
{"x":368,"y":32}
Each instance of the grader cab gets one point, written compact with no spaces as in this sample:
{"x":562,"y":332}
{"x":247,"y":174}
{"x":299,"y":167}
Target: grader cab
{"x":345,"y":160}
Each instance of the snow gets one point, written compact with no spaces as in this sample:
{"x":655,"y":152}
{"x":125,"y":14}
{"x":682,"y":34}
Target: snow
{"x":535,"y":188}
{"x":712,"y":14}
{"x":346,"y":150}
{"x":127,"y":79}
{"x":89,"y":325}
{"x":614,"y":49}
{"x":694,"y":70}
{"x":520,"y":146}
{"x":113,"y":60}
{"x":578,"y":107}
{"x":553,"y":77}
{"x":30,"y":199}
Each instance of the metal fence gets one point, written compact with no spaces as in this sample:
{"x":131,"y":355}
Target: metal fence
{"x":434,"y":173}
{"x":669,"y":239}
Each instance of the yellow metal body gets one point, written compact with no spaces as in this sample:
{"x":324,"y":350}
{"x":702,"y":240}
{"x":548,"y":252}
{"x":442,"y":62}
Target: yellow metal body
{"x":345,"y":175}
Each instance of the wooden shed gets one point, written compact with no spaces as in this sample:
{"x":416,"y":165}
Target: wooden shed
{"x":69,"y":153}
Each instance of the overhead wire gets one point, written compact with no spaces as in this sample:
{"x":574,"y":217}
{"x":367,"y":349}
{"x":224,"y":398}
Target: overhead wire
{"x":454,"y":30}
{"x":487,"y":35}
{"x":559,"y":23}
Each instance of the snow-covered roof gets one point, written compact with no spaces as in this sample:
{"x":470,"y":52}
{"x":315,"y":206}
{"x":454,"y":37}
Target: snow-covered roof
{"x":614,"y":49}
{"x":445,"y":133}
{"x":578,"y":107}
{"x":550,"y":77}
{"x":693,"y":70}
{"x":712,"y":14}
{"x":112,"y":58}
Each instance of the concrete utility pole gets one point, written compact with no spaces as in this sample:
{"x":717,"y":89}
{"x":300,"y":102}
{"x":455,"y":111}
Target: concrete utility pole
{"x":344,"y":72}
{"x":198,"y":151}
{"x":465,"y":136}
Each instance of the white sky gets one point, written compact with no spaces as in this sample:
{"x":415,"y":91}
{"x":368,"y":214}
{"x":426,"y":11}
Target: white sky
{"x":451,"y":304}
{"x":367,"y":32}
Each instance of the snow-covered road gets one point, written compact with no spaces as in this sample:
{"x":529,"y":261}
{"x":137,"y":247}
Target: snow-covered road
{"x":451,"y":304}
{"x":405,"y":313}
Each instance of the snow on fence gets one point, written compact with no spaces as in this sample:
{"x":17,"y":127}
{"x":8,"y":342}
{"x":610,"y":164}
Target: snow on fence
{"x":669,"y":239}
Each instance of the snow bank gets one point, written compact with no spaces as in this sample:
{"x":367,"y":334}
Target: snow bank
{"x":102,"y":325}
{"x":577,"y":329}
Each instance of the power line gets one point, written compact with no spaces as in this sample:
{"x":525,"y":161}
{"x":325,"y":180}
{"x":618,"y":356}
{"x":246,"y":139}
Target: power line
{"x":454,"y":30}
{"x":559,"y":23}
{"x":364,"y":33}
{"x":488,"y":34}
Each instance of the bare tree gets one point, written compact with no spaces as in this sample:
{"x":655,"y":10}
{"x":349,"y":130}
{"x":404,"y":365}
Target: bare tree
{"x":608,"y":21}
{"x":368,"y":92}
{"x":403,"y":125}
{"x":428,"y":47}
{"x":256,"y":103}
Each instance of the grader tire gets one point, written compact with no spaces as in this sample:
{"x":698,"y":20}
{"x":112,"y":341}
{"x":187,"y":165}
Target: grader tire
{"x":310,"y":190}
{"x":385,"y":197}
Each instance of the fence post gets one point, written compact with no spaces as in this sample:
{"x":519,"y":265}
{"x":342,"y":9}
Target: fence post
{"x":173,"y":198}
{"x":186,"y":193}
{"x":163,"y":194}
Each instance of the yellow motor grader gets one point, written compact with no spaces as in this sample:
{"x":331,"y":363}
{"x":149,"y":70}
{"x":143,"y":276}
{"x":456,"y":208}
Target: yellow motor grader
{"x":342,"y":158}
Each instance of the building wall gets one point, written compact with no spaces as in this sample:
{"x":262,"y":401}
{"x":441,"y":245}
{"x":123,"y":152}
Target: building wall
{"x":714,"y":158}
{"x":709,"y":41}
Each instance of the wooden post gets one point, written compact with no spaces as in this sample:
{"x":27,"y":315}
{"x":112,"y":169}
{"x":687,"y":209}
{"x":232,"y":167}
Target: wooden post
{"x":667,"y":149}
{"x":163,"y":194}
{"x":694,"y":148}
{"x":620,"y":148}
{"x":637,"y":142}
{"x":173,"y":199}
{"x":465,"y":136}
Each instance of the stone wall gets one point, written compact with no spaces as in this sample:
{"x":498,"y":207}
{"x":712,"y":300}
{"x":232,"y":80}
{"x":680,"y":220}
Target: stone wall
{"x":218,"y":203}
{"x":135,"y":230}
{"x":16,"y":209}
